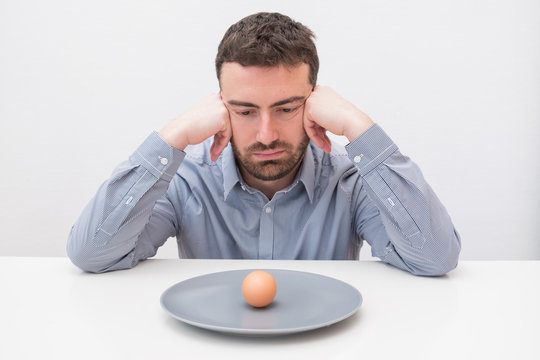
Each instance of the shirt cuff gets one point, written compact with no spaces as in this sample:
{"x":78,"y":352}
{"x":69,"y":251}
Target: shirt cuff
{"x":158,"y":157}
{"x":370,"y":149}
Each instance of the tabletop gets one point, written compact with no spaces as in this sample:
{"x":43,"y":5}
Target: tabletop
{"x":482,"y":309}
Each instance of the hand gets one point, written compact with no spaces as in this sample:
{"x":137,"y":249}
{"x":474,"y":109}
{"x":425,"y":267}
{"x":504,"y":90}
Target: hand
{"x":208,"y":118}
{"x":327,"y":110}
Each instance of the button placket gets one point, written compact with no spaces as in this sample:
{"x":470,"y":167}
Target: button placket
{"x":266,"y":235}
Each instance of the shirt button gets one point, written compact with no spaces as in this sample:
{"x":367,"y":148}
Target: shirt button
{"x":268,"y":210}
{"x":358,"y":158}
{"x":164,"y":161}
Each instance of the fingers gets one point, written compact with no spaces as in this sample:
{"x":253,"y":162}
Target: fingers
{"x":322,"y":141}
{"x":221,"y":139}
{"x":314,"y":131}
{"x":317,"y":134}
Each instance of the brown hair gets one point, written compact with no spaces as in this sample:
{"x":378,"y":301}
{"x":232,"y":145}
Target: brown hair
{"x":268,"y":39}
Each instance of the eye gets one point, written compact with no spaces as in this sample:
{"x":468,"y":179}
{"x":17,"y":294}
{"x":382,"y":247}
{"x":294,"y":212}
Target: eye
{"x":288,"y":110}
{"x":244,"y":113}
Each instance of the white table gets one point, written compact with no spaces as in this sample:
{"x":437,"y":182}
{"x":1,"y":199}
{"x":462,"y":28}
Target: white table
{"x":483,"y":310}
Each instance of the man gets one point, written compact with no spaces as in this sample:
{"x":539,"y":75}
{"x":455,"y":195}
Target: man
{"x":237,"y":176}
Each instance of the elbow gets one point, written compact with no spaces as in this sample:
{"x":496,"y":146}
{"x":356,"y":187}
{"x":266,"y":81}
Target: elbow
{"x":445,"y":260}
{"x":451,"y":258}
{"x":83,"y":263}
{"x":86,"y":253}
{"x":81,"y":253}
{"x":433,"y":269}
{"x":437,"y":269}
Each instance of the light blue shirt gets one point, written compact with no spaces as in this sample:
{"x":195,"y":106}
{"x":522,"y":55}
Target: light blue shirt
{"x":365,"y":191}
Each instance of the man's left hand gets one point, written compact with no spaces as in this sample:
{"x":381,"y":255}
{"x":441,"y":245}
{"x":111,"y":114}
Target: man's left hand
{"x":327,"y":110}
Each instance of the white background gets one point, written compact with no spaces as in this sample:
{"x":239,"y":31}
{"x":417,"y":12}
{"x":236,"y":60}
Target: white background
{"x":456,"y":84}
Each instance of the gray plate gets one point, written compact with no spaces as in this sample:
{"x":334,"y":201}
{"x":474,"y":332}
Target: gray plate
{"x":304,"y":301}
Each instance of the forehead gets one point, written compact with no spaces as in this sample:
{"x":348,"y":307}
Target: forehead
{"x":262,"y":85}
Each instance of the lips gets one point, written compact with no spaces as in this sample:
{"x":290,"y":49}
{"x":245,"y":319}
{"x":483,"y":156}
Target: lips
{"x":269,"y":155}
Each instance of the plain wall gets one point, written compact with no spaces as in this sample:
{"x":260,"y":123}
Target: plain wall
{"x":456,"y":84}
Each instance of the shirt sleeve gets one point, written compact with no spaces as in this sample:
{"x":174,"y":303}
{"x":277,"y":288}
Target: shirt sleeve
{"x":408,"y":226}
{"x":130,"y":216}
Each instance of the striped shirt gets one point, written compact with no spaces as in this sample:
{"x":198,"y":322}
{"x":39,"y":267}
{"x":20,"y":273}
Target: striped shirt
{"x":365,"y":191}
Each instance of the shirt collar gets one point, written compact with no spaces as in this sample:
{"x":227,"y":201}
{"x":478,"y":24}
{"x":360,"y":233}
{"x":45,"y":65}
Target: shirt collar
{"x":231,"y":175}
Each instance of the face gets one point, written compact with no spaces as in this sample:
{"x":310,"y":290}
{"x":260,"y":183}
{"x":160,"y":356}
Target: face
{"x":266,"y":106}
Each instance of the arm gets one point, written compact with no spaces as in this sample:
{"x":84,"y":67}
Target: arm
{"x":410,"y":228}
{"x":404,"y":221}
{"x":130,"y":216}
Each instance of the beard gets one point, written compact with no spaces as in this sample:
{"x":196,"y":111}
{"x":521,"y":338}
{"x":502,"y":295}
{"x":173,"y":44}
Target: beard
{"x":269,"y":170}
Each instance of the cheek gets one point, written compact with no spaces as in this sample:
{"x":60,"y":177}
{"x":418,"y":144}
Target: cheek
{"x":243,"y":134}
{"x":293,"y":130}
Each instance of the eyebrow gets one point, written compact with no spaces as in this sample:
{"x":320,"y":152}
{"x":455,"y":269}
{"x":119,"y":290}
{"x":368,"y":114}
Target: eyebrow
{"x":278,"y":103}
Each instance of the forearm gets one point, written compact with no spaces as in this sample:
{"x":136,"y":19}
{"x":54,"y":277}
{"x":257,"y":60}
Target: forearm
{"x":418,"y":234}
{"x":106,"y":235}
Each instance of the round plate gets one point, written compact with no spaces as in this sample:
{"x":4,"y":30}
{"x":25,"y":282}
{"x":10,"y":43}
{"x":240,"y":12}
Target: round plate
{"x":304,"y":301}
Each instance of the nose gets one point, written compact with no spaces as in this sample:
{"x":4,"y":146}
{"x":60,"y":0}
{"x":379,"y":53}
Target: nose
{"x":267,"y":132}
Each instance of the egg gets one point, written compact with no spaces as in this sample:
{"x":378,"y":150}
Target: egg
{"x":259,"y":288}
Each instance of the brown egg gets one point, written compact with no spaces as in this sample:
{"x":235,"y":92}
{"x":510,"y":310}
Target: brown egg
{"x":259,"y":288}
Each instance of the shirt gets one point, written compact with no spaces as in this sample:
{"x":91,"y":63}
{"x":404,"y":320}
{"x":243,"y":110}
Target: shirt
{"x":365,"y":191}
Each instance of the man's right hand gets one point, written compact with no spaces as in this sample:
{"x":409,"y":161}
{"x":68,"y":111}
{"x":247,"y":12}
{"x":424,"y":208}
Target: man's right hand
{"x":210,"y":117}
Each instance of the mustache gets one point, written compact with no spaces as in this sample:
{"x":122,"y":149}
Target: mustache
{"x":273,"y":145}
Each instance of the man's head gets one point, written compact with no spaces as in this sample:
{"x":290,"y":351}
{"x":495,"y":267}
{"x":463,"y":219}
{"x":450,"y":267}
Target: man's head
{"x":268,"y":40}
{"x":267,"y":67}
